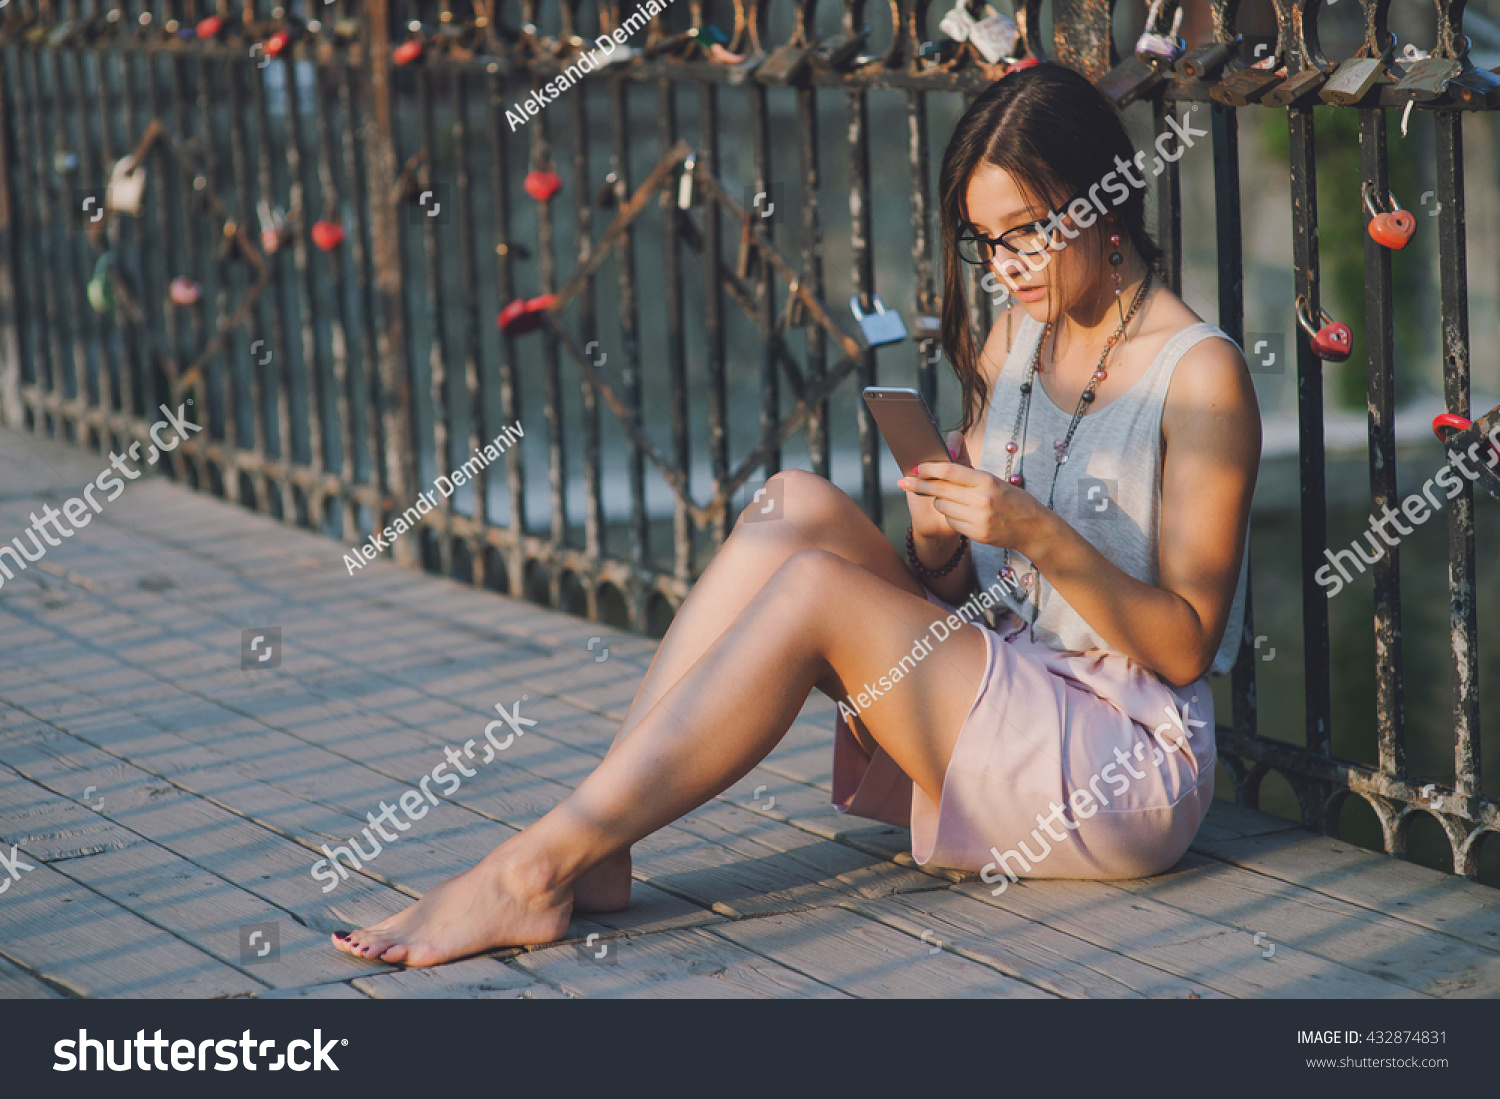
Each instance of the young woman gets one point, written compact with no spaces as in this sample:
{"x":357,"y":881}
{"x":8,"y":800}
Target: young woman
{"x":1100,"y":484}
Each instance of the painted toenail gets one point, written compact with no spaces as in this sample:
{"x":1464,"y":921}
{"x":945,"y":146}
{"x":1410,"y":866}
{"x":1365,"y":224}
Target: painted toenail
{"x":341,"y":934}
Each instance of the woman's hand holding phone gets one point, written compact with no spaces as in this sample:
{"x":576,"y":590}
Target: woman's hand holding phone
{"x":927,"y":523}
{"x":951,"y":498}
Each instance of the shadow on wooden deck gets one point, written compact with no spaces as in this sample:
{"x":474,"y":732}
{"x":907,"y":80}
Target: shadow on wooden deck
{"x":169,"y":807}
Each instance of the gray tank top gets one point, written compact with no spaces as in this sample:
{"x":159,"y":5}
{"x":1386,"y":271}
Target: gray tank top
{"x":1109,"y":489}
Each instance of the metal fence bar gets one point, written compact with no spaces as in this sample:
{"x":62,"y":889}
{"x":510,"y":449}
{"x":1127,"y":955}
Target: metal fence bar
{"x":306,"y":295}
{"x":713,"y":306}
{"x":1381,"y":402}
{"x":510,"y":394}
{"x":1462,"y":608}
{"x":278,"y":373}
{"x":810,"y":163}
{"x":1310,"y":425}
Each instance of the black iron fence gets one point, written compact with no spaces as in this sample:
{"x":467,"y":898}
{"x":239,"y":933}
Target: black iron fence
{"x":305,"y":221}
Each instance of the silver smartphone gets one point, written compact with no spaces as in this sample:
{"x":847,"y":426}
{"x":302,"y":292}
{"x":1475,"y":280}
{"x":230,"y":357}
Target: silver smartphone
{"x":907,"y":425}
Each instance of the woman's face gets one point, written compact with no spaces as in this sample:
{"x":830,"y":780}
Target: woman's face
{"x":1051,"y":282}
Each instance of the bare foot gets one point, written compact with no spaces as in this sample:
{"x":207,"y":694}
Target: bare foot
{"x":487,"y":907}
{"x":605,"y":887}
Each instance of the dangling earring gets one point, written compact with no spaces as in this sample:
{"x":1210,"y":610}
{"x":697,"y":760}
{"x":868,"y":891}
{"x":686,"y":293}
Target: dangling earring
{"x":1010,"y":305}
{"x":1116,"y":258}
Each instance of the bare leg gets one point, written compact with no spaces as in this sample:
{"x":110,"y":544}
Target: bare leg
{"x":814,"y":514}
{"x":820,"y":621}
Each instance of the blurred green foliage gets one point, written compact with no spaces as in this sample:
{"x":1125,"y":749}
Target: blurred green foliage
{"x":1341,"y":237}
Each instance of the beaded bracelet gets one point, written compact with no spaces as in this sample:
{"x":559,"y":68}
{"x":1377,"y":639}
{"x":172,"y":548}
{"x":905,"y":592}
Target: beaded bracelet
{"x":922,"y":570}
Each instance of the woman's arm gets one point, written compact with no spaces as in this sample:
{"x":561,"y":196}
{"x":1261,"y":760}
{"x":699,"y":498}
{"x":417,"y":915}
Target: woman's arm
{"x":1211,"y":433}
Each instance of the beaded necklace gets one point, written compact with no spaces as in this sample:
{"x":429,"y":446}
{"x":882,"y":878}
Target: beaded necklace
{"x":1029,"y":582}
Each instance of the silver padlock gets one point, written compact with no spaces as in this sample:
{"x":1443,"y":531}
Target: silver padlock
{"x":880,"y":327}
{"x":127,"y":187}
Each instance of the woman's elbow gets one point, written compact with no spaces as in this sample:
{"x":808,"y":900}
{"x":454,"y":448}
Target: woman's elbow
{"x":1186,"y":668}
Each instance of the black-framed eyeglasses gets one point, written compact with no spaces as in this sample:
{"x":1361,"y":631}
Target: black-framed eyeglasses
{"x":1024,"y":240}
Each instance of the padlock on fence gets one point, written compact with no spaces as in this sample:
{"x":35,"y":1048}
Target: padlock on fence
{"x":1129,"y":80}
{"x":1477,"y":89}
{"x":1202,"y":62}
{"x":101,"y":290}
{"x":1297,"y":87}
{"x":524,"y":314}
{"x":1426,"y":79}
{"x":838,"y":53}
{"x":1333,"y":342}
{"x":127,"y":186}
{"x":1249,"y":83}
{"x":1391,"y":228}
{"x":786,"y":64}
{"x":1244,"y":87}
{"x":1476,"y":442}
{"x":1156,"y":51}
{"x":1357,"y":76}
{"x":880,"y":327}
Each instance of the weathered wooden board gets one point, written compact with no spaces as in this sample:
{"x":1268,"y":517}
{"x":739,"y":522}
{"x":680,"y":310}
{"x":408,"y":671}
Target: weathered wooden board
{"x":1211,"y":953}
{"x":1027,"y":950}
{"x":471,"y":979}
{"x":865,"y":958}
{"x":17,"y":984}
{"x":1426,"y":961}
{"x":1417,"y":894}
{"x":86,"y":943}
{"x":687,"y":964}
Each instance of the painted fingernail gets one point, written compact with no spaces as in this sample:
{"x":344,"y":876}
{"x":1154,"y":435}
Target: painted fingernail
{"x":914,"y":472}
{"x":953,"y":453}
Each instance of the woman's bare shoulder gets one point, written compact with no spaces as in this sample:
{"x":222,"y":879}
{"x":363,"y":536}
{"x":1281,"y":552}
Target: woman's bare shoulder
{"x":1211,"y":390}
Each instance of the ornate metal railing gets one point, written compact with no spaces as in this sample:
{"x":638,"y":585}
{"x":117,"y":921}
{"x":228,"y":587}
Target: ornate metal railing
{"x":290,"y":269}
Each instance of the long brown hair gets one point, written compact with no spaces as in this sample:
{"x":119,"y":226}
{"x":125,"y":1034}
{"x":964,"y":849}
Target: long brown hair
{"x":1057,"y":136}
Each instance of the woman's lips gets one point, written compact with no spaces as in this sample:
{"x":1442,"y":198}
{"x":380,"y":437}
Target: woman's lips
{"x":1030,"y":293}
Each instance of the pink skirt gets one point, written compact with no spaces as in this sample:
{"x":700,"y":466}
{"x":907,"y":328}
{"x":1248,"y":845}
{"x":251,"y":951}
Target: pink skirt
{"x":1069,"y":765}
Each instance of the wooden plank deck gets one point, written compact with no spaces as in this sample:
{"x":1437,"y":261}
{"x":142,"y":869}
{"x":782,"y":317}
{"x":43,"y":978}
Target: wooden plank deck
{"x":171,"y":803}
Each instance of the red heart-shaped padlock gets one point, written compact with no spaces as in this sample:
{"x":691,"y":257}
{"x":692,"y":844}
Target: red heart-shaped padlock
{"x":327,"y":235}
{"x":407,"y":52}
{"x":208,"y":28}
{"x":278,"y":42}
{"x":542,"y":185}
{"x":184,"y":291}
{"x":1333,"y":342}
{"x":1393,"y":230}
{"x":522,"y":316}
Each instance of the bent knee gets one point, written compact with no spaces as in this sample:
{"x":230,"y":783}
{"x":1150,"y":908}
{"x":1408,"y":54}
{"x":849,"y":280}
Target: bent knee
{"x":804,"y":499}
{"x":814,"y":575}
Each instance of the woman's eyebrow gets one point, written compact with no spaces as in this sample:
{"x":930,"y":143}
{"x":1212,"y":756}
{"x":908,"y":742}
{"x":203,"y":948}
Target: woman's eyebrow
{"x":1023,"y":216}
